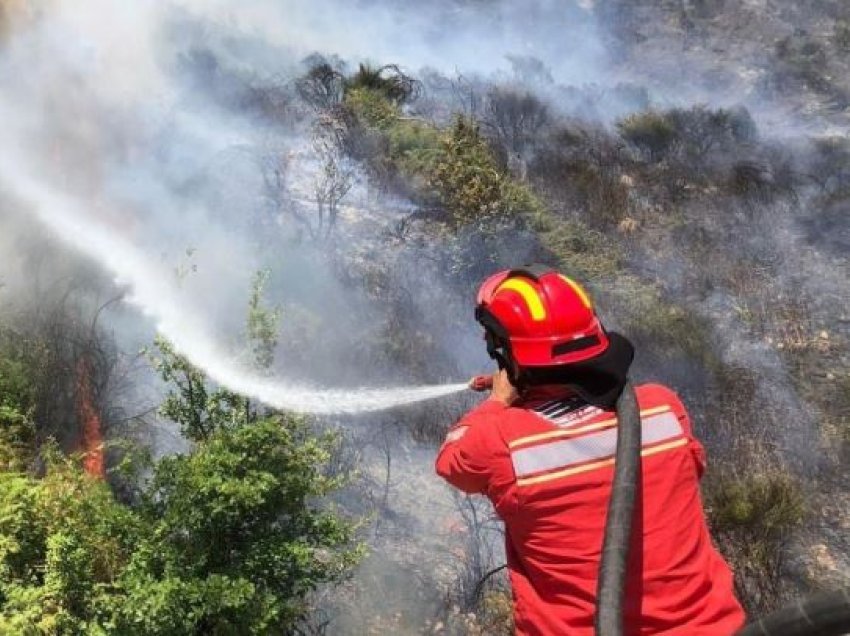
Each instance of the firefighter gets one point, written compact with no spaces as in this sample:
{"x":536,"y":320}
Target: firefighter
{"x":541,"y":447}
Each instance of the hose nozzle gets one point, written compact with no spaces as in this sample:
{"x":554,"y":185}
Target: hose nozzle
{"x":481,"y":383}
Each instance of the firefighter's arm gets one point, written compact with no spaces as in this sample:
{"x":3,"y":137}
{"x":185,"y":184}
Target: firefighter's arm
{"x":466,"y":458}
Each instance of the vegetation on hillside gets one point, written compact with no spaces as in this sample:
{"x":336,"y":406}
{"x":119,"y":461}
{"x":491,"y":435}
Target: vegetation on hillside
{"x":230,"y":538}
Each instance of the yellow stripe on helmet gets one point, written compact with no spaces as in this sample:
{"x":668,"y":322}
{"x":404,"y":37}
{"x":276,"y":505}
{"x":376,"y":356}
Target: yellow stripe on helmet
{"x":585,"y":299}
{"x":529,"y":295}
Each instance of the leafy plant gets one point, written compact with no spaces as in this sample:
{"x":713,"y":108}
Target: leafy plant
{"x":229,"y":539}
{"x":650,"y":131}
{"x":389,"y":80}
{"x":753,"y":517}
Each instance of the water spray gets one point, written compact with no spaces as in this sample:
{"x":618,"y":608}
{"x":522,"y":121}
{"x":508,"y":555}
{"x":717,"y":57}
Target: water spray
{"x":149,"y":291}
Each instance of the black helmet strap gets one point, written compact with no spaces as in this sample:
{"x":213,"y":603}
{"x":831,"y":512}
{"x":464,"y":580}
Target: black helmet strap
{"x":498,"y":342}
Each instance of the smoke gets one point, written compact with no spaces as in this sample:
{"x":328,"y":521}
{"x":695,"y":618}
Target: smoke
{"x":449,"y":35}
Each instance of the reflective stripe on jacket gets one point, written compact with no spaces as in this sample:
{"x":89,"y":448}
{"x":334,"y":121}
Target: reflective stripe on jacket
{"x":546,"y":464}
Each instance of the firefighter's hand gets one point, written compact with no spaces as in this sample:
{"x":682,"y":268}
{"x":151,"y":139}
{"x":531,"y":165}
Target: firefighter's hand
{"x":503,"y":391}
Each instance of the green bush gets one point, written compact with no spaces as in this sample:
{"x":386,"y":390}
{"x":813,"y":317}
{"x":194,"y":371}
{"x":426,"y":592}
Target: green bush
{"x":752,"y":518}
{"x":469,"y":183}
{"x":651,"y":132}
{"x":767,"y":504}
{"x":403,"y":146}
{"x":455,"y":167}
{"x":388,"y":81}
{"x":666,"y":328}
{"x":580,"y":250}
{"x":372,"y":108}
{"x":466,"y":177}
{"x":229,"y":539}
{"x":17,"y":404}
{"x":64,"y":543}
{"x":414,"y":147}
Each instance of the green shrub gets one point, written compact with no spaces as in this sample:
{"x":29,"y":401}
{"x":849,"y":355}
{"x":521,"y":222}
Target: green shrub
{"x":372,"y":108}
{"x":17,"y":439}
{"x":651,"y":132}
{"x":229,"y":539}
{"x":414,"y":147}
{"x":767,"y":504}
{"x":469,"y":183}
{"x":752,"y":518}
{"x":389,"y":81}
{"x":17,"y":404}
{"x":580,"y":250}
{"x":400,"y":146}
{"x":64,"y":541}
{"x":666,"y":327}
{"x":466,"y":177}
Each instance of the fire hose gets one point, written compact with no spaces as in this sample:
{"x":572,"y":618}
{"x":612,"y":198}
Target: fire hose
{"x":611,"y":582}
{"x":826,"y":614}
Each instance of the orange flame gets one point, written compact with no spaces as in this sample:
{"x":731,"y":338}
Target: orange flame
{"x":92,"y":438}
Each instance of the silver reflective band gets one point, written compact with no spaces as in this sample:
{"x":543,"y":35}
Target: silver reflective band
{"x":578,"y":450}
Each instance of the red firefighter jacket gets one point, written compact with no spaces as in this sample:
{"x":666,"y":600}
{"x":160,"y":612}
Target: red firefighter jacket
{"x":547,"y":465}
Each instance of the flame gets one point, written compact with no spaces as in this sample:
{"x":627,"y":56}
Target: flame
{"x":92,"y":438}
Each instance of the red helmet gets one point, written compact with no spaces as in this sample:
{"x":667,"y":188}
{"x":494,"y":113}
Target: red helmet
{"x":539,"y":318}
